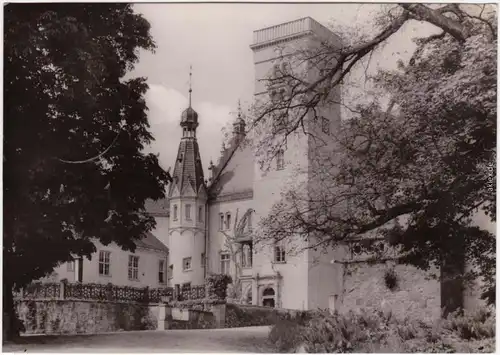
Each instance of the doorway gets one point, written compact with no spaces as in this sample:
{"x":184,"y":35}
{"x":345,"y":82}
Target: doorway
{"x":268,"y":297}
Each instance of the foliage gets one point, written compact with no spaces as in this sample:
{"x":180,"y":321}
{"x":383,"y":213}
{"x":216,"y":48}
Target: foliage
{"x":74,"y":135}
{"x":66,"y":103}
{"x":471,"y":325}
{"x":247,"y":316}
{"x":372,"y":332}
{"x":197,"y":305}
{"x":217,"y":285}
{"x":415,"y":171}
{"x":391,"y":279}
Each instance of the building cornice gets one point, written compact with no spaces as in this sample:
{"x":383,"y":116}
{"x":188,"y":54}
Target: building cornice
{"x":233,"y":196}
{"x":184,"y":229}
{"x":281,"y":40}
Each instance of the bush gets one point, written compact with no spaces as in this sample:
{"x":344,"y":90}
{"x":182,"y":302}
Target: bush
{"x":376,"y":331}
{"x":217,"y":285}
{"x":471,"y":325}
{"x":285,"y":335}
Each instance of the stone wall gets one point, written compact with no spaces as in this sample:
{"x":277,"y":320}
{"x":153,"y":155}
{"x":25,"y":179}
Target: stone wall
{"x":84,"y":317}
{"x":416,"y":295}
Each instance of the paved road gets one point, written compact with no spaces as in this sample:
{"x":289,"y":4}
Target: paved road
{"x":234,"y":340}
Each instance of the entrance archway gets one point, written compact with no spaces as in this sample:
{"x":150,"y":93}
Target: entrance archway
{"x":268,"y":297}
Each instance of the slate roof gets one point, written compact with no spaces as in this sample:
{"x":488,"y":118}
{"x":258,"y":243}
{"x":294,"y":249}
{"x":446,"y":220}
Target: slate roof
{"x":151,"y":242}
{"x":188,"y":170}
{"x":157,"y":207}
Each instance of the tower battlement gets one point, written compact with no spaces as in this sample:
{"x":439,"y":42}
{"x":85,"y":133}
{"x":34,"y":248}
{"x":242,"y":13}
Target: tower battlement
{"x":290,"y":30}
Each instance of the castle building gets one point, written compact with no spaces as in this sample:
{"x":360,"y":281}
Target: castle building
{"x":208,"y":223}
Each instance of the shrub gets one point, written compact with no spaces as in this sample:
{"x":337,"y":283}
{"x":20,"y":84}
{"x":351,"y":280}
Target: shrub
{"x":376,"y":331}
{"x":471,"y":325}
{"x":286,"y":335}
{"x":217,"y":285}
{"x":391,"y":279}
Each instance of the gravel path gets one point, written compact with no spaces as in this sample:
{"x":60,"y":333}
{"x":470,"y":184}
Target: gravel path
{"x":234,"y":340}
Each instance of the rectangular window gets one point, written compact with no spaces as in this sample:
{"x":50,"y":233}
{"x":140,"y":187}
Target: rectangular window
{"x":70,"y":266}
{"x":279,"y":254}
{"x":171,"y":271}
{"x":280,"y":160}
{"x":224,"y":263}
{"x":161,"y":271}
{"x":104,"y":263}
{"x":188,"y":212}
{"x":133,"y":267}
{"x":203,"y":260}
{"x":221,"y":221}
{"x":200,"y":214}
{"x":175,"y":212}
{"x":228,"y":220}
{"x":186,"y":264}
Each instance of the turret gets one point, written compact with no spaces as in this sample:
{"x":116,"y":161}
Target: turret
{"x":187,"y":198}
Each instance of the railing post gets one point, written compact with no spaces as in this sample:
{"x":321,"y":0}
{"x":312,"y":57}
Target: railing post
{"x":146,"y":294}
{"x":62,"y":286}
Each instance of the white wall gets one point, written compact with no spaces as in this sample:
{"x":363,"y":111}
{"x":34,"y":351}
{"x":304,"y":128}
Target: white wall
{"x":148,"y":268}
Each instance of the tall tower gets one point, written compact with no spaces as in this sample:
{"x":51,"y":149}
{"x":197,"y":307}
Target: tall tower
{"x":187,"y":197}
{"x":276,"y":49}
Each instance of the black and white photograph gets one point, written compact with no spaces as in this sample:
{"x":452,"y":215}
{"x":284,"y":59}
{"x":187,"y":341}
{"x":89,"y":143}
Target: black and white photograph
{"x":249,"y":177}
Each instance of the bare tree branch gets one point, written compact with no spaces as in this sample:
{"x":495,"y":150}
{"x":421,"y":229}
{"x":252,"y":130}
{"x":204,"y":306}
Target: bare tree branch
{"x":93,"y":158}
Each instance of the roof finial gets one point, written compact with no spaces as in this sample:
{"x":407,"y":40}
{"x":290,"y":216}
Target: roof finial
{"x":239,"y":108}
{"x":190,"y":87}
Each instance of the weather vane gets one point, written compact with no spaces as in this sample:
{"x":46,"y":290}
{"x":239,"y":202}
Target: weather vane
{"x":190,"y":87}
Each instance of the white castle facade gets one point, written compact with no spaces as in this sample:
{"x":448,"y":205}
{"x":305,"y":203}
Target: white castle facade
{"x":197,"y":220}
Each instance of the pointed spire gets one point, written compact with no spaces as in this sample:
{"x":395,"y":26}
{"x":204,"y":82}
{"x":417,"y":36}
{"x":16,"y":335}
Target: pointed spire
{"x":239,"y":108}
{"x":190,"y":83}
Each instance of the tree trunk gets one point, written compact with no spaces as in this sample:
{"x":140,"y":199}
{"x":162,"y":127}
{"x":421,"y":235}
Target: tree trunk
{"x":10,"y":321}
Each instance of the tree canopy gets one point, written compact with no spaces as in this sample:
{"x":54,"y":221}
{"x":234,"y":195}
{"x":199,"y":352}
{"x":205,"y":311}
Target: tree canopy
{"x":415,"y":171}
{"x":74,"y":133}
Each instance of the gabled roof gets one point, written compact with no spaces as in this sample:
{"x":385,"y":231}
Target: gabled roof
{"x":151,"y":242}
{"x":235,"y":171}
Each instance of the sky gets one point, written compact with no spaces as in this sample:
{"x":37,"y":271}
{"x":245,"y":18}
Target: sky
{"x":215,"y":40}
